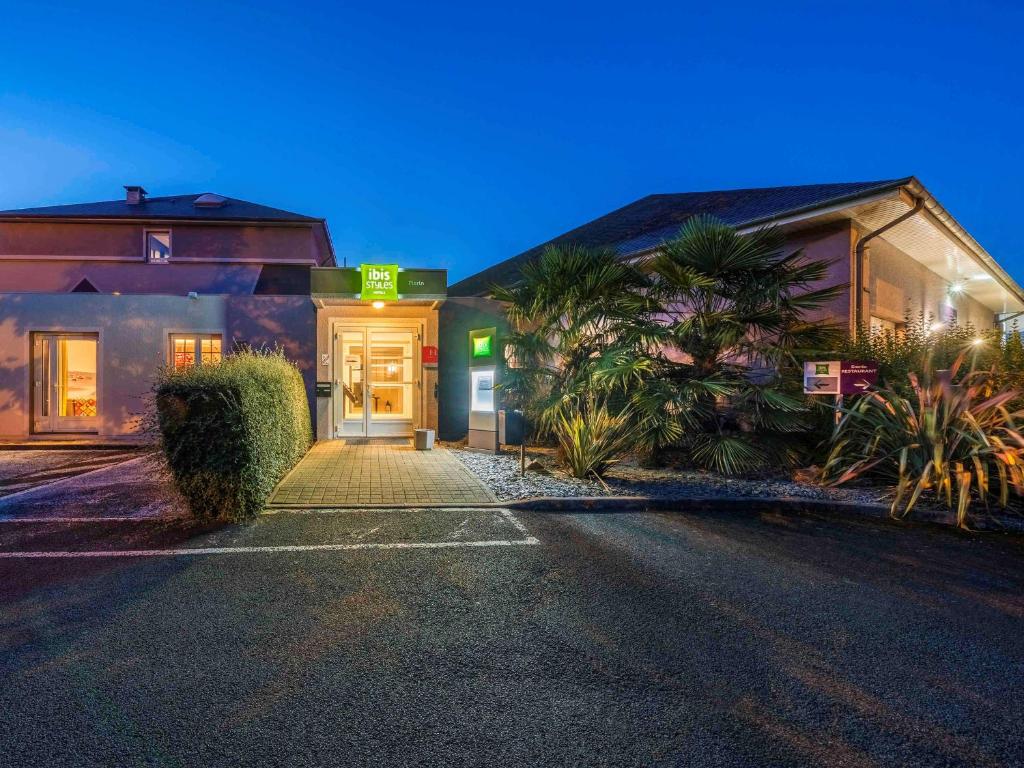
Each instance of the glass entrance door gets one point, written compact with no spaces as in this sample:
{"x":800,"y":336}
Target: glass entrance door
{"x":377,"y":382}
{"x":391,"y":382}
{"x":350,"y":384}
{"x":64,"y":382}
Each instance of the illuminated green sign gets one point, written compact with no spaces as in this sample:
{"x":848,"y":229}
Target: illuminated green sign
{"x":482,"y":346}
{"x":379,"y":282}
{"x":821,"y":369}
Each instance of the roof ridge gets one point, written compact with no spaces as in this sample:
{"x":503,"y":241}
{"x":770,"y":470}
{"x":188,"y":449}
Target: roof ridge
{"x":161,"y":207}
{"x":645,"y":218}
{"x":878,"y":183}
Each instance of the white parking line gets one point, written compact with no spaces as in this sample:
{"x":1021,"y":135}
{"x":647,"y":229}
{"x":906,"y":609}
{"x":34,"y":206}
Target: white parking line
{"x":529,"y":541}
{"x":507,"y":514}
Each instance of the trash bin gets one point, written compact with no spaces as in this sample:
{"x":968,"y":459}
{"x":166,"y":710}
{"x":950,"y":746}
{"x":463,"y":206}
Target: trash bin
{"x":511,"y":427}
{"x":424,"y":439}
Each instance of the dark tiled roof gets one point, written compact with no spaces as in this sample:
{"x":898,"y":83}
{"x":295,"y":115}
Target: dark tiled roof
{"x":646,"y":223}
{"x":178,"y":207}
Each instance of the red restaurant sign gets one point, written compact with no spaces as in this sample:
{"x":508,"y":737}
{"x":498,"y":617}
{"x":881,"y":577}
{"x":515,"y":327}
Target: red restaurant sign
{"x":429,"y":355}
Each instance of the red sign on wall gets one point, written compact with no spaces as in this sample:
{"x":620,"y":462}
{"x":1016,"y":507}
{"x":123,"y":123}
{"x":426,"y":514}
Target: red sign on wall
{"x":429,"y":355}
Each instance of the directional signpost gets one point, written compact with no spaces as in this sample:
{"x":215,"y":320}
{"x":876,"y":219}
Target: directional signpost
{"x":857,"y":375}
{"x":822,"y":378}
{"x":839,"y":377}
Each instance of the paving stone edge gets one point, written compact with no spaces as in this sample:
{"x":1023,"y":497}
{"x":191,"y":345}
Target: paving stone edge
{"x":697,"y":504}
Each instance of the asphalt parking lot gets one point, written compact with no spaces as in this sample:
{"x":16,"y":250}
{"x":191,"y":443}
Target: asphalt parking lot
{"x":527,"y":639}
{"x":21,"y":470}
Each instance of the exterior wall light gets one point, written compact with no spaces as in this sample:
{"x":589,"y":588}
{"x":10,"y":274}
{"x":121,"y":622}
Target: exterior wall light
{"x":378,"y":305}
{"x":956,"y":287}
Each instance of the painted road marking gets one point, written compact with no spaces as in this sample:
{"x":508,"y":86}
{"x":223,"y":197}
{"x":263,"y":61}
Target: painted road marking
{"x":530,"y":541}
{"x":527,"y":540}
{"x":507,"y":514}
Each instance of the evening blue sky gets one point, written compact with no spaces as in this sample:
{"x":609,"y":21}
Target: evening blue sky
{"x":458,"y":135}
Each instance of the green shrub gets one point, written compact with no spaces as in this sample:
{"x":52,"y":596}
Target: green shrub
{"x":922,"y":344}
{"x":591,"y":439}
{"x":232,"y":430}
{"x":954,"y":439}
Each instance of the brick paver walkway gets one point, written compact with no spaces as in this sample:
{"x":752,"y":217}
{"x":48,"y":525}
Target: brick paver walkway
{"x":337,"y":474}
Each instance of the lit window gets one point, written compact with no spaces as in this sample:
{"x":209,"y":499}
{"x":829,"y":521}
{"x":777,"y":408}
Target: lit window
{"x":210,"y":349}
{"x":183,"y":352}
{"x":184,"y":348}
{"x":158,"y":246}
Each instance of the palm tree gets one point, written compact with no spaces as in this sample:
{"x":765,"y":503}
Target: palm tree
{"x":572,"y":307}
{"x":734,"y":327}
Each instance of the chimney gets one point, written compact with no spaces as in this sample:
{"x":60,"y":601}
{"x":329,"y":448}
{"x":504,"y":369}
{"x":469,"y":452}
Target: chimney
{"x":135,"y":195}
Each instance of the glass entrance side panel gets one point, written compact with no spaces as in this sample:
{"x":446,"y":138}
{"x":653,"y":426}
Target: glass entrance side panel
{"x":41,"y":410}
{"x":392,"y":381}
{"x":351,"y":385}
{"x":76,"y":382}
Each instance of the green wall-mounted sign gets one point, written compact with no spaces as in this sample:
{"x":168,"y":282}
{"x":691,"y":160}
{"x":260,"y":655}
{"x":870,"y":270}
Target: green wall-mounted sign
{"x":482,"y":346}
{"x":379,"y":282}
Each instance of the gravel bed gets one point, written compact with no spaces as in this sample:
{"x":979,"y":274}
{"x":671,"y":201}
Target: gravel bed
{"x":501,"y":473}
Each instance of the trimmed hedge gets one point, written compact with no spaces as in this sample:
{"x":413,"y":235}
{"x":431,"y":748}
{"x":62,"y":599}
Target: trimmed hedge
{"x":232,"y":430}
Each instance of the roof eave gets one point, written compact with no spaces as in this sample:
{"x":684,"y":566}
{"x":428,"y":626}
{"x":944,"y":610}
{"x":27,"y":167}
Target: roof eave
{"x":833,"y":204}
{"x":143,"y":219}
{"x":945,"y":221}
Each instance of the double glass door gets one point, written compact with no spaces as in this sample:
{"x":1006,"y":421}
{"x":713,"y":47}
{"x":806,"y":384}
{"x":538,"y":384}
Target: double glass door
{"x":64,"y":382}
{"x":376,"y":382}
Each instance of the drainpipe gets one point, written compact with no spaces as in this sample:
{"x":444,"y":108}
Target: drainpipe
{"x":858,"y":261}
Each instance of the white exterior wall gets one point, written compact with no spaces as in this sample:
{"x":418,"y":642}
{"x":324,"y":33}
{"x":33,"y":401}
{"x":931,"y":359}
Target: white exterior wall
{"x":133,"y":344}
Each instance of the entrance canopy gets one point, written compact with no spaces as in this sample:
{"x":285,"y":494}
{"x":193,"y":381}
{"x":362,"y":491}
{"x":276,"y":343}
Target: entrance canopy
{"x":377,"y":349}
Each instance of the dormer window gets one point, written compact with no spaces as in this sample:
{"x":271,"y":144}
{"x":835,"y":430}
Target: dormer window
{"x":158,"y":246}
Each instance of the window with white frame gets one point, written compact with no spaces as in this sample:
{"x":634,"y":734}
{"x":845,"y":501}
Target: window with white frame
{"x":158,"y":246}
{"x":191,"y":349}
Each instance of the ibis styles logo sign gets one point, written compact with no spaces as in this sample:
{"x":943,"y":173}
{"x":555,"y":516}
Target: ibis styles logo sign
{"x":380,"y":282}
{"x":482,"y":346}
